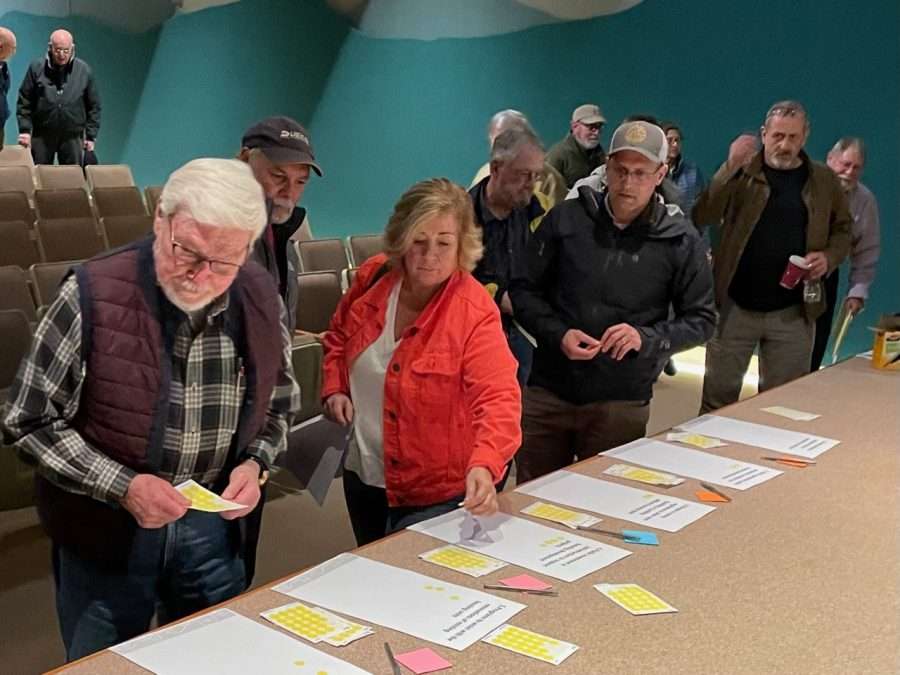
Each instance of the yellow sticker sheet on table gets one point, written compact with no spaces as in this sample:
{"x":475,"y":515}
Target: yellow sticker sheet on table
{"x":355,"y":631}
{"x":461,"y":560}
{"x":642,"y":475}
{"x":205,"y":500}
{"x":529,"y":643}
{"x":305,"y":622}
{"x":558,"y":514}
{"x":635,"y":599}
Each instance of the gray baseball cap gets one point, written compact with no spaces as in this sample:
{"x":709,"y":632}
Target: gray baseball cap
{"x":641,"y":137}
{"x":282,"y":140}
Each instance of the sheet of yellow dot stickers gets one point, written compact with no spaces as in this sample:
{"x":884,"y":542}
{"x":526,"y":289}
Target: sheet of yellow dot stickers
{"x":635,"y":599}
{"x":461,"y":560}
{"x":316,"y":624}
{"x":642,"y":475}
{"x":561,"y":515}
{"x":529,"y":643}
{"x":205,"y":500}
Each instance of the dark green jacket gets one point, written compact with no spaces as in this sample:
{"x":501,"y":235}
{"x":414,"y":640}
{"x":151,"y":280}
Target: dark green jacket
{"x":735,"y":199}
{"x":573,"y":161}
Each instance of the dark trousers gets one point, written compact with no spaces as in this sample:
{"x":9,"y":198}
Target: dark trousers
{"x":523,"y":351}
{"x":174,"y":571}
{"x":555,"y":431}
{"x":371,"y":516}
{"x":823,"y":323}
{"x":67,"y":149}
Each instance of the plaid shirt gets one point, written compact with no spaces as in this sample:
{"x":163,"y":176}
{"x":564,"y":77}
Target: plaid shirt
{"x":205,"y":396}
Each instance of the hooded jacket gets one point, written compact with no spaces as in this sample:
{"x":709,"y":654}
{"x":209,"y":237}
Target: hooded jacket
{"x":284,"y":262}
{"x":584,"y":272}
{"x":62,"y":101}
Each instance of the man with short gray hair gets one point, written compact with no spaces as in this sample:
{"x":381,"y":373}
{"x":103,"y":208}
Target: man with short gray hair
{"x":550,"y":183}
{"x":162,"y":363}
{"x":508,"y":211}
{"x":580,"y":151}
{"x":774,"y":206}
{"x":847,"y":158}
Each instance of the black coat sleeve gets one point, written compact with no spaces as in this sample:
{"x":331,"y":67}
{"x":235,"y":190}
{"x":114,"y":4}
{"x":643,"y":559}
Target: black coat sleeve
{"x":693,"y":303}
{"x":91,"y":108}
{"x":530,"y":292}
{"x":26,"y":102}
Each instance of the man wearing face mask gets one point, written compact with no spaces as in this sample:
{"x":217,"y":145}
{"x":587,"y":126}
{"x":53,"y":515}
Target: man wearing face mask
{"x":280,"y":154}
{"x":59,"y":105}
{"x":580,"y":151}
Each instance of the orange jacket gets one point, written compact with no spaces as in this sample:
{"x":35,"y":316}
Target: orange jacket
{"x":451,"y":400}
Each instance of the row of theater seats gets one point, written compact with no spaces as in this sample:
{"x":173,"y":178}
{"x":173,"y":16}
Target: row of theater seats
{"x":18,"y":172}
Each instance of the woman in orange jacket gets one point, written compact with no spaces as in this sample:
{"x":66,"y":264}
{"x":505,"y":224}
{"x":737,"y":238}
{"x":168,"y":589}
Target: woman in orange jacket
{"x":416,"y":359}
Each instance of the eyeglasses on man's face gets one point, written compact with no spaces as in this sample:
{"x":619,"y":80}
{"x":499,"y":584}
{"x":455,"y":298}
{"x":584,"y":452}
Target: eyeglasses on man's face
{"x":187,"y":257}
{"x":61,"y":50}
{"x":621,"y":174}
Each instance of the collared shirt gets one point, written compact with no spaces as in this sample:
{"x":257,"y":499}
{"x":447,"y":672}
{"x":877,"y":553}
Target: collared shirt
{"x":205,"y":397}
{"x":865,"y":240}
{"x":505,"y":240}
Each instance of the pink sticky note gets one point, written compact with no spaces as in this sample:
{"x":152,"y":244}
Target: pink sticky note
{"x":423,"y":661}
{"x":527,"y":582}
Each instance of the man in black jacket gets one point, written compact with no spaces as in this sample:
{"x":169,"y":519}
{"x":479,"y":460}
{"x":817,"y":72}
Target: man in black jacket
{"x":59,"y":105}
{"x":603,"y":270}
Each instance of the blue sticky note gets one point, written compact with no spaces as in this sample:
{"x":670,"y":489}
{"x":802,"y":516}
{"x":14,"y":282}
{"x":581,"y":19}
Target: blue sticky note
{"x":640,"y":537}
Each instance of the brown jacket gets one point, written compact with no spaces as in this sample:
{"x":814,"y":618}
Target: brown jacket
{"x":735,"y":198}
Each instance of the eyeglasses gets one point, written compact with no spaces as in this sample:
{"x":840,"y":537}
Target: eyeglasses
{"x":187,"y":257}
{"x":622,"y":174}
{"x":61,"y":50}
{"x":597,"y":126}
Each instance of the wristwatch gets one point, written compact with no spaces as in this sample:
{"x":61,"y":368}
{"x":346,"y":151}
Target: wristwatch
{"x":263,"y":469}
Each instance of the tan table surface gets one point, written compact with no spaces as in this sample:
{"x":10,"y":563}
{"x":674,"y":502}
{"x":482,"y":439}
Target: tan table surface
{"x":797,"y":575}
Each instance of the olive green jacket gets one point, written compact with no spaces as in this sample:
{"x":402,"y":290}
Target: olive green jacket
{"x":735,"y":198}
{"x":573,"y":161}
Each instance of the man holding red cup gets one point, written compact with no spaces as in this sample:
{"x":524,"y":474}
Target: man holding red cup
{"x":772,"y":204}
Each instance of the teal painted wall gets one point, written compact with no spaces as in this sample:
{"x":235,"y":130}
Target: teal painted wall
{"x":396,"y":111}
{"x":385,"y":113}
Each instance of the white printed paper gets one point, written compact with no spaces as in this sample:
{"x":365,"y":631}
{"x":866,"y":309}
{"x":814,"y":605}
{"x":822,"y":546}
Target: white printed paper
{"x":226,"y":643}
{"x":403,"y":600}
{"x":535,"y":547}
{"x":694,"y":463}
{"x":761,"y":435}
{"x":617,"y":501}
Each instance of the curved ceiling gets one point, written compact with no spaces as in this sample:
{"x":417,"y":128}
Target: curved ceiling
{"x":408,"y":19}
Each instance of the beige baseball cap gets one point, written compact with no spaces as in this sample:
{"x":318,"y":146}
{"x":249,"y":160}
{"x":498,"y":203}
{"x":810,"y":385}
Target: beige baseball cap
{"x":641,"y":137}
{"x":588,"y":114}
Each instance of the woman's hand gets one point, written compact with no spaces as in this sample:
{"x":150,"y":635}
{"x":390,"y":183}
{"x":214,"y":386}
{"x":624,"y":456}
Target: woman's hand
{"x":481,"y":495}
{"x":339,"y":408}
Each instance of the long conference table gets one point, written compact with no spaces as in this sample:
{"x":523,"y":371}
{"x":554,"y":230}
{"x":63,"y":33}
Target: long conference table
{"x":797,"y":575}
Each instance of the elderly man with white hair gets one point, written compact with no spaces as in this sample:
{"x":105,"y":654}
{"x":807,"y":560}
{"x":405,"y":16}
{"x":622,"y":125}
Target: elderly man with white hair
{"x":59,"y":105}
{"x":159,"y":363}
{"x":7,"y":51}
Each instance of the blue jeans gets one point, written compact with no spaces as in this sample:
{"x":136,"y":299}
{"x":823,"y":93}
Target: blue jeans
{"x":174,"y":571}
{"x":523,"y":351}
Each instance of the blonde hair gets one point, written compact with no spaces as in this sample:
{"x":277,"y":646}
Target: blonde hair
{"x":423,"y":201}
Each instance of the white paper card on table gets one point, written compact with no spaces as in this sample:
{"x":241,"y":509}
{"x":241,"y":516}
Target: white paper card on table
{"x":617,"y":501}
{"x":406,"y":601}
{"x":535,"y":547}
{"x":461,"y":560}
{"x":761,"y":435}
{"x":226,"y":643}
{"x":635,"y":599}
{"x":353,"y":632}
{"x":642,"y":475}
{"x":790,"y":413}
{"x":205,"y":500}
{"x":697,"y":440}
{"x":697,"y":464}
{"x":558,"y":514}
{"x":529,"y":643}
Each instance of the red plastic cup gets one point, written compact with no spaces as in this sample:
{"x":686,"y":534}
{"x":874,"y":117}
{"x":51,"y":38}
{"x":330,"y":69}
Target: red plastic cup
{"x":797,"y":268}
